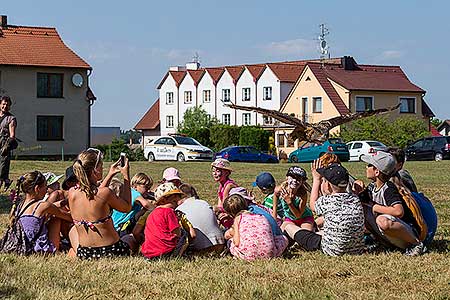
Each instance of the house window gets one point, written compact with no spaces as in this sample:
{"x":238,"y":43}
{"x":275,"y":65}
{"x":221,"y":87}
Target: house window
{"x":246,"y":119}
{"x":246,"y":94}
{"x":169,"y":120}
{"x":207,"y":96}
{"x":364,"y":103}
{"x":317,"y":104}
{"x":49,"y":128}
{"x":187,"y":97}
{"x":169,"y":98}
{"x":267,"y":120}
{"x":408,"y":105}
{"x":267,"y":93}
{"x":49,"y":85}
{"x":226,"y":119}
{"x":226,"y":95}
{"x":281,"y":138}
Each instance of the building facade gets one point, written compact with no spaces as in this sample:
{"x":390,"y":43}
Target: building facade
{"x":49,"y":87}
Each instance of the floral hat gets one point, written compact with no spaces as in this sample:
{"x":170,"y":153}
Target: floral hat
{"x":166,"y":189}
{"x":222,"y":163}
{"x":51,"y":178}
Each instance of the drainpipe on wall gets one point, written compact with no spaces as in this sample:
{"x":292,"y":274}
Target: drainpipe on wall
{"x":178,"y":107}
{"x":256,"y":102}
{"x":91,"y":102}
{"x":235,"y":101}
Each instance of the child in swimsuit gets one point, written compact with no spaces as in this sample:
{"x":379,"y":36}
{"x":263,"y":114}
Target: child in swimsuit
{"x":91,"y":206}
{"x":33,"y":213}
{"x":221,"y":171}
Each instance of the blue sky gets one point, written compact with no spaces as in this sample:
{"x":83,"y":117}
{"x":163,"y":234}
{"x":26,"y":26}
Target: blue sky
{"x":131,"y":44}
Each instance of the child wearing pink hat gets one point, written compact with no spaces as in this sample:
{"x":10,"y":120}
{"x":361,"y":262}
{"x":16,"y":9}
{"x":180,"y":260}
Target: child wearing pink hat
{"x":172,"y":175}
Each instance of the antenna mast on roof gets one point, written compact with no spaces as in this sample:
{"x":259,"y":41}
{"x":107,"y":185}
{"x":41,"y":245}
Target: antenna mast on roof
{"x":196,"y":58}
{"x":323,"y":44}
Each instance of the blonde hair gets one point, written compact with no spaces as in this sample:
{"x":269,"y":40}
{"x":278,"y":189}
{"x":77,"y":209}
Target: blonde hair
{"x":234,"y":204}
{"x":83,"y":167}
{"x":141,"y":178}
{"x":116,"y":186}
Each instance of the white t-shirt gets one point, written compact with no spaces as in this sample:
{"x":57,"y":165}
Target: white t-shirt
{"x":204,"y":221}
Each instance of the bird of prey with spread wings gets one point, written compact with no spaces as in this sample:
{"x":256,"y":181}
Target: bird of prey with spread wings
{"x":316,"y":132}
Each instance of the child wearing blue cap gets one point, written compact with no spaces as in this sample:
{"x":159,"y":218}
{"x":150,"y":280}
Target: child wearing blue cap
{"x":266,"y":183}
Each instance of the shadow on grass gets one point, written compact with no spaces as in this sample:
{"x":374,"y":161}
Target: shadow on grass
{"x":439,"y":246}
{"x":5,"y":204}
{"x":13,"y":292}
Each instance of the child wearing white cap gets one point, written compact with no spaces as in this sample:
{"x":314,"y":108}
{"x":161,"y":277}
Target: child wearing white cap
{"x":394,"y":222}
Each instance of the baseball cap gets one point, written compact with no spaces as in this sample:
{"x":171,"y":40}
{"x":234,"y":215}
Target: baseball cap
{"x":264,"y":181}
{"x":297,"y":172}
{"x":336,"y":174}
{"x":381,"y":160}
{"x":241,"y":191}
{"x":70,"y":176}
{"x":171,"y":174}
{"x":51,"y":178}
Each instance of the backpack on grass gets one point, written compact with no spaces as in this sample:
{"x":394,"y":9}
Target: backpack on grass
{"x":15,"y":240}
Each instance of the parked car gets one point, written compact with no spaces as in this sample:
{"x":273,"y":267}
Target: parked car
{"x":310,"y":151}
{"x":176,"y":147}
{"x":360,"y":148}
{"x":245,"y":154}
{"x":429,"y":148}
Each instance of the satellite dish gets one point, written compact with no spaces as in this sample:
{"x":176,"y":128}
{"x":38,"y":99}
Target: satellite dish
{"x":77,"y":80}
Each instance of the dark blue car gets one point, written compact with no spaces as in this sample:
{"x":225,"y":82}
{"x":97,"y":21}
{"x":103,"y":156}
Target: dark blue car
{"x":245,"y":154}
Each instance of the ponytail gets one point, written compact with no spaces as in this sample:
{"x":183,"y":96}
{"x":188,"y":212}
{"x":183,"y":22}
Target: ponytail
{"x":85,"y":184}
{"x":83,"y":168}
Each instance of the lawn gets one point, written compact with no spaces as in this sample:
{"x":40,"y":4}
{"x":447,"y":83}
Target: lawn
{"x":304,"y":276}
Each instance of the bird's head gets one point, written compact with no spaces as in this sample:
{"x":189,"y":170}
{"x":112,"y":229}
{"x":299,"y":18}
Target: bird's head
{"x":315,"y":135}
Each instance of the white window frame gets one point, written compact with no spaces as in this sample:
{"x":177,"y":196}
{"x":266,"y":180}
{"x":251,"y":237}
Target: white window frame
{"x":315,"y":110}
{"x":414,"y":106}
{"x":246,"y":119}
{"x":246,"y":94}
{"x":226,"y":119}
{"x":226,"y":95}
{"x":169,"y":122}
{"x":364,"y":96}
{"x":206,"y":96}
{"x":267,"y":93}
{"x":187,"y":97}
{"x":169,"y":98}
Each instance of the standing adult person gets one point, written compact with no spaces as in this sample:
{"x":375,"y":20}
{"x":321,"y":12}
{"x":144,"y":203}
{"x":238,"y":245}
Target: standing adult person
{"x":8,"y":141}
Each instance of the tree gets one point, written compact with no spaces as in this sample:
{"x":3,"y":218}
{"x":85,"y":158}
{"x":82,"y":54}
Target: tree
{"x":436,"y":122}
{"x":134,"y":135}
{"x":197,"y":123}
{"x":397,"y":133}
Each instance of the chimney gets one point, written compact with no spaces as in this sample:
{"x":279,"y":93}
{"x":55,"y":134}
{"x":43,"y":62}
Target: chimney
{"x":3,"y":21}
{"x":193,"y":66}
{"x":348,"y":63}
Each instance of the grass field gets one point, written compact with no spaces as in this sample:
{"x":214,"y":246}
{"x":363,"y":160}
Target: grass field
{"x":305,"y":276}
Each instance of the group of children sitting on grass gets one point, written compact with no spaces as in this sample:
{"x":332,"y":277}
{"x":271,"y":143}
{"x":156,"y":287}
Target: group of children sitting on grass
{"x":91,"y":217}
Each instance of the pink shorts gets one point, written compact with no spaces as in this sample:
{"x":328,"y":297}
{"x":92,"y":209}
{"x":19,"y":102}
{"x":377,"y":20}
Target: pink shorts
{"x":299,"y":222}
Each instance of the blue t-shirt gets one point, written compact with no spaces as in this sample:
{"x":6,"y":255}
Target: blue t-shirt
{"x":255,"y":209}
{"x":119,"y":218}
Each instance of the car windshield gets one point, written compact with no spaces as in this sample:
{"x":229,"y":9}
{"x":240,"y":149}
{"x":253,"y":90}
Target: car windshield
{"x":335,"y":141}
{"x":182,"y":140}
{"x":376,"y":144}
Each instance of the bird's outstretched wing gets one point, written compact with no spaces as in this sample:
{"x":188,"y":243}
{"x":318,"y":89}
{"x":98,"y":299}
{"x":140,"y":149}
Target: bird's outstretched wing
{"x":336,"y":121}
{"x":285,"y":118}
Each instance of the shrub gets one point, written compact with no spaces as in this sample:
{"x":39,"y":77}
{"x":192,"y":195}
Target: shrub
{"x":224,"y":135}
{"x":112,"y":151}
{"x":254,"y":136}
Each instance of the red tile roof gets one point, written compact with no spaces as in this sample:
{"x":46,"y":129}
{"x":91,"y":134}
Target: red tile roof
{"x":321,"y":76}
{"x":178,"y":76}
{"x":36,"y":46}
{"x":287,"y":72}
{"x":235,"y":72}
{"x":215,"y":73}
{"x":256,"y":70}
{"x":196,"y":75}
{"x":434,"y":131}
{"x":151,"y":118}
{"x":373,"y":78}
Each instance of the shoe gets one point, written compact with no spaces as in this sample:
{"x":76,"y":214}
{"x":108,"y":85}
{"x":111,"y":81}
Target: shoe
{"x":416,"y":250}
